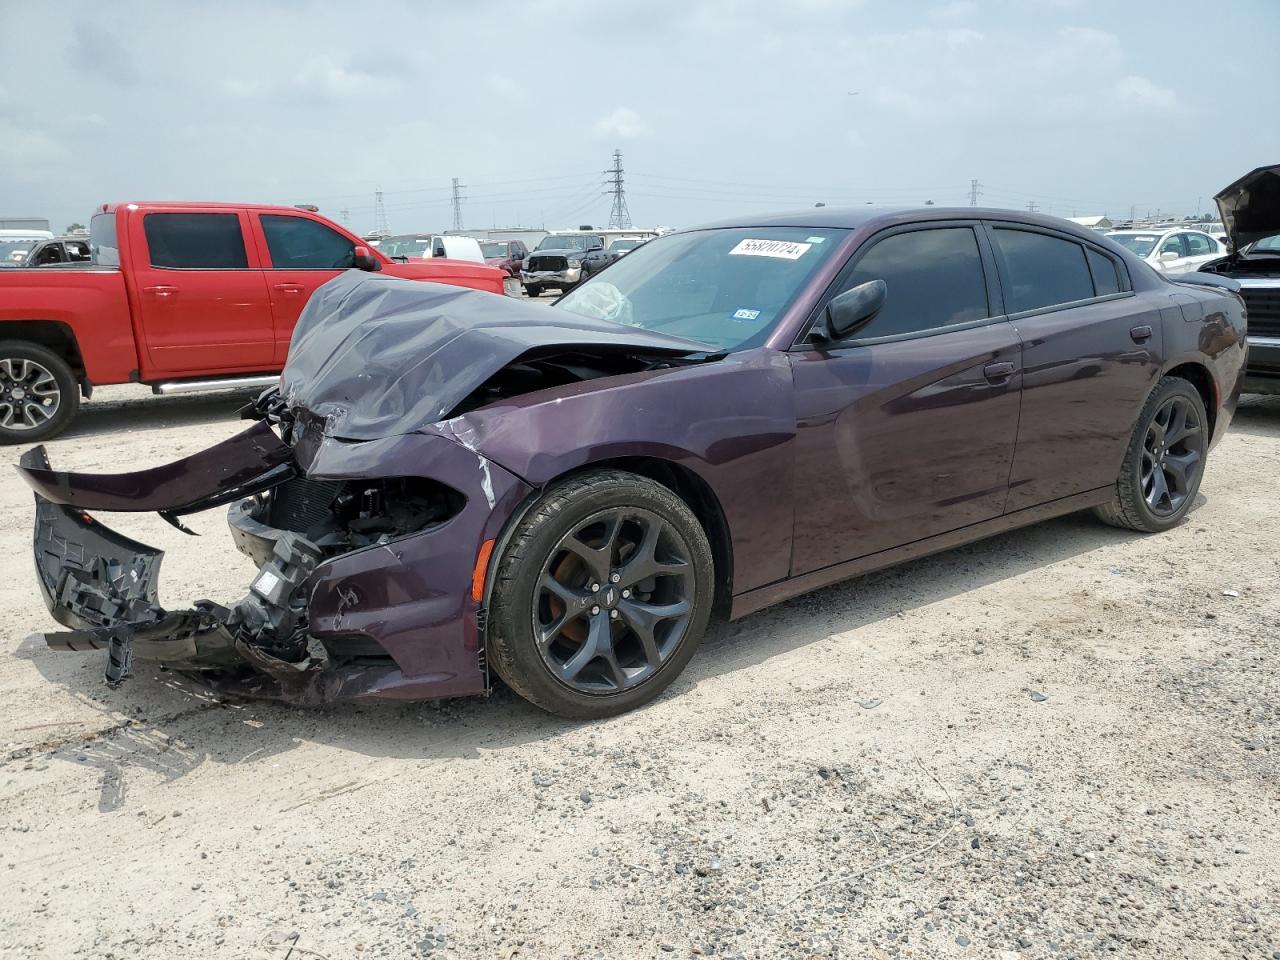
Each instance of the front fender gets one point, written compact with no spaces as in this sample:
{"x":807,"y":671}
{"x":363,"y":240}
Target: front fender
{"x":731,"y":422}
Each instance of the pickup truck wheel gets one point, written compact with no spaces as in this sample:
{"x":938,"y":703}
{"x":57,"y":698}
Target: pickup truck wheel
{"x":38,"y":392}
{"x":533,"y":290}
{"x":601,"y":596}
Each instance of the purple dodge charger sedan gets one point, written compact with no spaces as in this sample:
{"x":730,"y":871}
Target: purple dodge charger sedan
{"x":449,"y":485}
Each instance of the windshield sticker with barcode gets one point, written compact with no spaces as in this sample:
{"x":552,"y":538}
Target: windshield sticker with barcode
{"x":745,"y":314}
{"x":781,"y":249}
{"x":815,"y":239}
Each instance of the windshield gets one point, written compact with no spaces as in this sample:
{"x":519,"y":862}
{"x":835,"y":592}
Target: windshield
{"x":493,"y":249}
{"x":1268,"y":245}
{"x":724,"y":288}
{"x":576,"y":242}
{"x":625,"y":244}
{"x":406,"y":246}
{"x":15,"y":251}
{"x":1139,"y":243}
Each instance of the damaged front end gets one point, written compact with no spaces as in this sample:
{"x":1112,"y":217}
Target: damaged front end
{"x":340,"y":594}
{"x":360,"y":495}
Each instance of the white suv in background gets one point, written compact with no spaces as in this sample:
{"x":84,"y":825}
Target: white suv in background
{"x":1171,"y":251}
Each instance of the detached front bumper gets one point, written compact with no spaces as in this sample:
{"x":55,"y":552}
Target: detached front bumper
{"x":391,"y":619}
{"x":552,"y":278}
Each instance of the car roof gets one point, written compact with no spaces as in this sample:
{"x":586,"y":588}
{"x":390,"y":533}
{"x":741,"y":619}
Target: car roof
{"x":851,"y":218}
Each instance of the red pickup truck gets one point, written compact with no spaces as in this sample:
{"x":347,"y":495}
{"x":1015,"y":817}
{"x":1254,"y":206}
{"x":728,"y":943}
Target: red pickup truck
{"x":180,"y":296}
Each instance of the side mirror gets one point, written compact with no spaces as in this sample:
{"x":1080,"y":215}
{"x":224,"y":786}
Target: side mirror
{"x":362,"y":259}
{"x":1170,"y":255}
{"x":853,"y":309}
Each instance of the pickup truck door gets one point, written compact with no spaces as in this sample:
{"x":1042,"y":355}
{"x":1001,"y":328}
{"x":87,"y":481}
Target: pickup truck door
{"x":300,"y":255}
{"x":200,"y":304}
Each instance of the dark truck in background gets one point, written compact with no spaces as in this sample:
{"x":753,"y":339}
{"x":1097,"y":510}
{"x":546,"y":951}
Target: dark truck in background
{"x":180,"y":296}
{"x":1250,"y":210}
{"x":563,"y":261}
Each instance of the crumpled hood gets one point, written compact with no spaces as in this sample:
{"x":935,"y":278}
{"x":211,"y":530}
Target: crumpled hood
{"x":1250,"y":207}
{"x":374,"y":357}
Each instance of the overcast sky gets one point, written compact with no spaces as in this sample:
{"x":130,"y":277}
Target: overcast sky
{"x":719,"y":106}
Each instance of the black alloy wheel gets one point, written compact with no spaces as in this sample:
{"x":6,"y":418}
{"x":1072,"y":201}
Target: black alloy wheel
{"x":613,"y":601}
{"x":1172,"y":455}
{"x":600,"y":596}
{"x":1164,"y":462}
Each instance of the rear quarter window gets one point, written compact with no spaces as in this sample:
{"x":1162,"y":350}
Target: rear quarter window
{"x":1106,"y":276}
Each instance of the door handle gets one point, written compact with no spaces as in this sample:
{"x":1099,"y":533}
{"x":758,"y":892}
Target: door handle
{"x":997,"y":372}
{"x":288,"y":287}
{"x":1140,"y":334}
{"x":160,"y":291}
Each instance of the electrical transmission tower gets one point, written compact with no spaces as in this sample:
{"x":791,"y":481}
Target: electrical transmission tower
{"x":619,"y":216}
{"x":380,"y":226}
{"x":344,"y":216}
{"x":975,"y":191}
{"x":1032,"y":207}
{"x":458,"y":197}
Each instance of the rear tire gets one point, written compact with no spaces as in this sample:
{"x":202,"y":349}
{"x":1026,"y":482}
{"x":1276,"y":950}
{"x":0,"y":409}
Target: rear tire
{"x":601,"y":596}
{"x":39,"y":394}
{"x":1164,"y":463}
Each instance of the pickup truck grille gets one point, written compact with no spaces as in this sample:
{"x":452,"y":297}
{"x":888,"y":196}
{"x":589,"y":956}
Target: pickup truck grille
{"x":1264,"y":311}
{"x":548,"y":263}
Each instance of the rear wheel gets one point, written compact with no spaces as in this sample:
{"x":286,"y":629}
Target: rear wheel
{"x":1164,"y":464}
{"x":38,"y":392}
{"x":601,"y":596}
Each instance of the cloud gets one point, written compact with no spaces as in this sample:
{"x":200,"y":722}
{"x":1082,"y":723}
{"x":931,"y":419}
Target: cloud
{"x":323,"y":77}
{"x":1141,"y":92}
{"x":951,"y":12}
{"x":623,"y":123}
{"x":100,"y":51}
{"x":503,"y":85}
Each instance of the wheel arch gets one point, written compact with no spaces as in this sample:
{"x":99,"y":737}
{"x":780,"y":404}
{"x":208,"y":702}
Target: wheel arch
{"x":51,"y":334}
{"x":1199,"y":376}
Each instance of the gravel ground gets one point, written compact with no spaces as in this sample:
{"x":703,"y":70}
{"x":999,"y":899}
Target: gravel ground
{"x":1061,"y":742}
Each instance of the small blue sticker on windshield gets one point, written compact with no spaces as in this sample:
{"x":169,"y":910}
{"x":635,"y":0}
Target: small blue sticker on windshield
{"x":745,"y":314}
{"x":814,"y":239}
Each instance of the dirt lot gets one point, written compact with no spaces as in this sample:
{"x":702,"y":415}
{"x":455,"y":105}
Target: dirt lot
{"x":1062,"y":742}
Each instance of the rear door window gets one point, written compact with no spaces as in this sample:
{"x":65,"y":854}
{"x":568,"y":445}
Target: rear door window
{"x":1174,"y":244}
{"x":1198,"y":245}
{"x":1042,"y":271}
{"x":297,"y":243}
{"x":934,"y":279}
{"x":195,"y":241}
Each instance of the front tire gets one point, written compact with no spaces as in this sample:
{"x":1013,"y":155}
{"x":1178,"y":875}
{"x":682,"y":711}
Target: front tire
{"x":601,"y":596}
{"x":532,"y":290}
{"x":39,"y":394}
{"x":1164,"y":463}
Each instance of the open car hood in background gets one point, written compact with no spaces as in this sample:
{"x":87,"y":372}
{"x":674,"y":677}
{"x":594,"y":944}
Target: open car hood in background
{"x":1250,"y":207}
{"x":375,"y":357}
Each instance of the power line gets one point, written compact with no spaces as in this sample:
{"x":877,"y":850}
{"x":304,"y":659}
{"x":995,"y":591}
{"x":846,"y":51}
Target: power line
{"x":458,"y":197}
{"x":619,"y":216}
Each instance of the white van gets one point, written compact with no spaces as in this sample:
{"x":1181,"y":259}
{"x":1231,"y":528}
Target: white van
{"x":424,"y":246}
